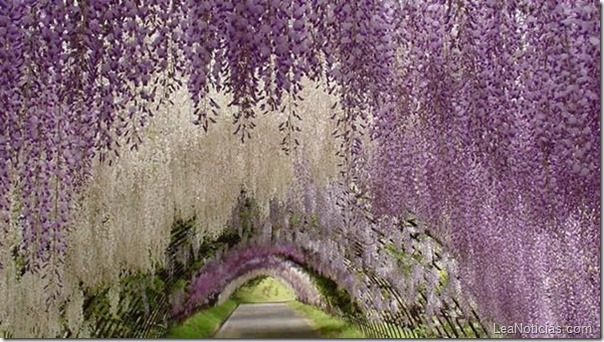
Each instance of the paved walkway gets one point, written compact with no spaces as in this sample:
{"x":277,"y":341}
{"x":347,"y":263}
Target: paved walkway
{"x":266,"y":320}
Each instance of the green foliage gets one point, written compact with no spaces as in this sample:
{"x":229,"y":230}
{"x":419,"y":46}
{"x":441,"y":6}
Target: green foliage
{"x":19,"y":259}
{"x":254,"y":282}
{"x":180,"y":284}
{"x":295,"y":219}
{"x":249,"y":213}
{"x":96,"y":304}
{"x":338,"y":299}
{"x":404,"y":261}
{"x":443,"y":279}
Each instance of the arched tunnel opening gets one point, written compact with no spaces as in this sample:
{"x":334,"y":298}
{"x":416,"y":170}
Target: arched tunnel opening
{"x":322,"y":288}
{"x":271,"y":286}
{"x":407,"y":168}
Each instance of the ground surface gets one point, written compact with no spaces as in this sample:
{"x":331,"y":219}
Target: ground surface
{"x":266,"y":320}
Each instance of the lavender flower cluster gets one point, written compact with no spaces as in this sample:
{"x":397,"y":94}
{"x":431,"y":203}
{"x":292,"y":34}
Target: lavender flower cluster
{"x":80,"y":79}
{"x":484,"y":117}
{"x":494,"y":146}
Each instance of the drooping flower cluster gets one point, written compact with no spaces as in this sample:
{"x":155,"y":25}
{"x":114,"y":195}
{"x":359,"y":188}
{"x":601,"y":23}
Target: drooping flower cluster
{"x":73,"y":76}
{"x":484,"y":115}
{"x":493,"y":146}
{"x":81,"y":78}
{"x":392,"y":271}
{"x":122,"y":218}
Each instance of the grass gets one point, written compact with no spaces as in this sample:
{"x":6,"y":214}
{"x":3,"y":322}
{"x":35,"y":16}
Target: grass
{"x":328,"y":326}
{"x":206,"y":322}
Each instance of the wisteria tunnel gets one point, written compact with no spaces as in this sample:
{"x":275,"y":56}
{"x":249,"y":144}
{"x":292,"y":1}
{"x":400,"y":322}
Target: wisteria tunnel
{"x":410,"y":168}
